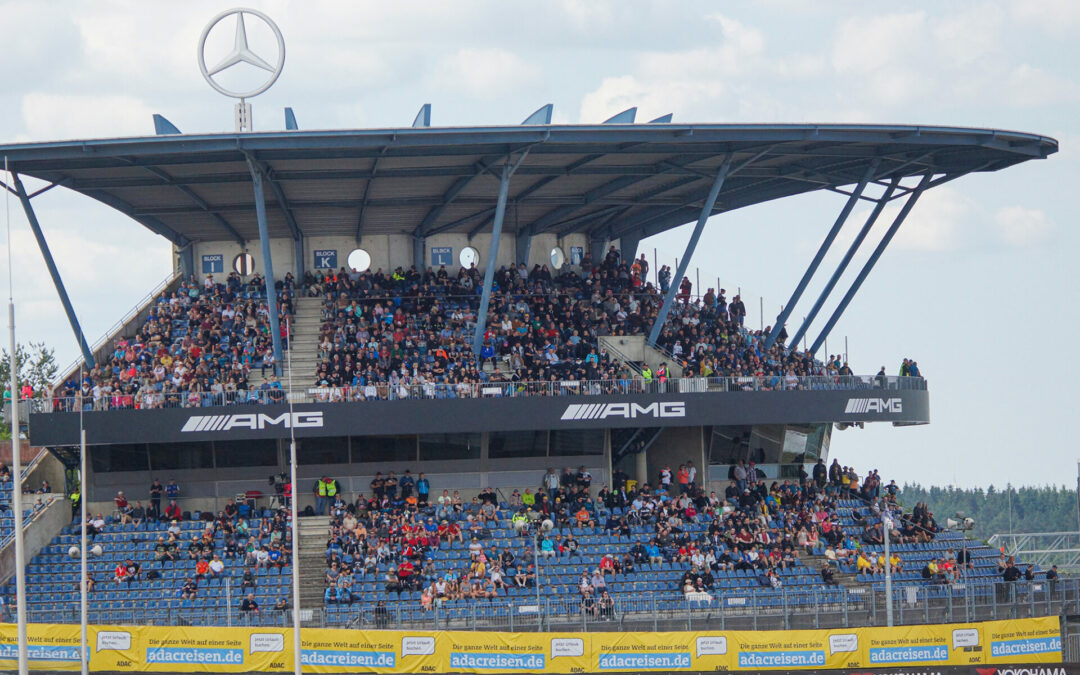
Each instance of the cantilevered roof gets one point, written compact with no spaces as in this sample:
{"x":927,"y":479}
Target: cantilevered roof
{"x":611,"y":179}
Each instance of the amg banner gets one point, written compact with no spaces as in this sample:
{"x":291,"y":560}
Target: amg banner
{"x":520,"y":413}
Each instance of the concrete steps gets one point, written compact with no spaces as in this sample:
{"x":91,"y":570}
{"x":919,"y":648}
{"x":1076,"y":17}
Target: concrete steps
{"x":312,"y":560}
{"x":303,"y":356}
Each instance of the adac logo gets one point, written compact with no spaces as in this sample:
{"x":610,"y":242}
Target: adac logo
{"x":860,"y":406}
{"x":600,"y":411}
{"x":296,"y":420}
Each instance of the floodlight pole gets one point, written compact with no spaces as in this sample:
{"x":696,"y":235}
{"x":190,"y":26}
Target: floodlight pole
{"x":681,"y":267}
{"x":822,"y":250}
{"x":909,"y":203}
{"x":84,"y":607}
{"x":16,"y":458}
{"x":268,"y":264}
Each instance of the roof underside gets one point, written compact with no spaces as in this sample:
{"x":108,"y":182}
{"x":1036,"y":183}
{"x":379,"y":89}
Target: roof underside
{"x":608,"y":180}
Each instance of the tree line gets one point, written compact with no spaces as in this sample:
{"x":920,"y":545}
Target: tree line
{"x":1050,"y":508}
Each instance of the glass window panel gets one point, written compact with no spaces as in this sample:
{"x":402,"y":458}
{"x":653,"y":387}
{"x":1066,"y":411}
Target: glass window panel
{"x":509,"y":444}
{"x":573,"y":443}
{"x":130,"y":457}
{"x":262,"y":452}
{"x":366,"y":449}
{"x":181,"y":456}
{"x":449,"y":446}
{"x":328,"y":450}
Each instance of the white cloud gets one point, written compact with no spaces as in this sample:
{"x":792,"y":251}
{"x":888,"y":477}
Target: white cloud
{"x":708,"y":83}
{"x":1022,"y":226}
{"x":1031,"y":87}
{"x":60,"y":116}
{"x":866,"y":44}
{"x":484,"y":73}
{"x":938,"y":222}
{"x":1057,"y":17}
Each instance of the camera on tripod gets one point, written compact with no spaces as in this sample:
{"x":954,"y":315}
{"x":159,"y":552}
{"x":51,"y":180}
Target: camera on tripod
{"x":279,"y":481}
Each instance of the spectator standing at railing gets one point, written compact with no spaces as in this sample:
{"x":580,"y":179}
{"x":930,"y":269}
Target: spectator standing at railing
{"x":737,"y":310}
{"x":684,"y":290}
{"x":156,"y":490}
{"x":172,"y":490}
{"x":423,"y":490}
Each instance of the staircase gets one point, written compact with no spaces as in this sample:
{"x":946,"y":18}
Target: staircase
{"x":312,"y":560}
{"x":306,"y":324}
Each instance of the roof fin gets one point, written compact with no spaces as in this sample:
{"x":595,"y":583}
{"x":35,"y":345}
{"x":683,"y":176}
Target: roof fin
{"x":290,"y":120}
{"x":423,"y":118}
{"x":541,"y":116}
{"x":163,"y":127}
{"x":663,"y":119}
{"x":625,"y":117}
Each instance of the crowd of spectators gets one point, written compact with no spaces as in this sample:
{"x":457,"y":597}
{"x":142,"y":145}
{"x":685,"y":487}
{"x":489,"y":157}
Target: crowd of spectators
{"x":197,"y":346}
{"x":415,"y":328}
{"x":408,"y":327}
{"x":757,"y":527}
{"x":226,"y":540}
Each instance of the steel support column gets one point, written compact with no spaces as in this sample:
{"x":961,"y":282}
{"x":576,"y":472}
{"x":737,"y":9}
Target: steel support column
{"x":522,"y":247}
{"x":822,"y":250}
{"x":879,"y":206}
{"x":186,"y":260}
{"x":904,"y":211}
{"x":43,"y":246}
{"x":492,"y":255}
{"x":628,"y":246}
{"x":268,"y":264}
{"x":684,"y":262}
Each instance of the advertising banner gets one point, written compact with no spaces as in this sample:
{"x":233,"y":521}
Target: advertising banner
{"x":233,"y":650}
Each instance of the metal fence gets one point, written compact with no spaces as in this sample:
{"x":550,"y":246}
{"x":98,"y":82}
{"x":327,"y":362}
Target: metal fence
{"x":754,"y":609}
{"x":472,"y":390}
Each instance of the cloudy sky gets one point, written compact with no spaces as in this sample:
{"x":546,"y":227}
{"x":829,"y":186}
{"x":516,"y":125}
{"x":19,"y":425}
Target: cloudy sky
{"x":978,"y":286}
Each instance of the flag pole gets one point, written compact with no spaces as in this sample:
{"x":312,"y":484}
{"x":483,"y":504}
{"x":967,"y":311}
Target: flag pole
{"x":16,"y":458}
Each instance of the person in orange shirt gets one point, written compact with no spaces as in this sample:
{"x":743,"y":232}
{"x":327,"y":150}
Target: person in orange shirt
{"x":683,"y":477}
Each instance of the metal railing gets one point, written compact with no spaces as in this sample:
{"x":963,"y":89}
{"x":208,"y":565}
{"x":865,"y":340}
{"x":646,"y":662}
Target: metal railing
{"x":741,"y":609}
{"x":429,"y":391}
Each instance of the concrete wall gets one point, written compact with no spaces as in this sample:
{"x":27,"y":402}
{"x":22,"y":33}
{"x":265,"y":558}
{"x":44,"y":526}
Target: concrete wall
{"x":631,"y":347}
{"x":387,"y":251}
{"x":48,"y":468}
{"x":674,"y":447}
{"x":37,"y":535}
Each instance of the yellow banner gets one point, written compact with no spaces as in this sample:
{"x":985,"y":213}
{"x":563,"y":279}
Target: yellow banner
{"x":269,"y":650}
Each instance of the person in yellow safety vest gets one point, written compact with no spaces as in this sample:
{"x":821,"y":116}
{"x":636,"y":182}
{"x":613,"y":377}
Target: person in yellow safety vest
{"x":520,"y":521}
{"x":75,"y":496}
{"x":646,"y":374}
{"x":325,"y":490}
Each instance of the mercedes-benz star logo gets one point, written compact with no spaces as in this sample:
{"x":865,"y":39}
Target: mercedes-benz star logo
{"x":241,"y":53}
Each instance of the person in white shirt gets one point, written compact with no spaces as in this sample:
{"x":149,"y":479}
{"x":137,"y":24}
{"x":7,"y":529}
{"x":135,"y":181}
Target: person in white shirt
{"x":216,"y":567}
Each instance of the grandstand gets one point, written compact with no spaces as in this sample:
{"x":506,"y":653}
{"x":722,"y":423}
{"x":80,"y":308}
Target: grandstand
{"x":470,"y":304}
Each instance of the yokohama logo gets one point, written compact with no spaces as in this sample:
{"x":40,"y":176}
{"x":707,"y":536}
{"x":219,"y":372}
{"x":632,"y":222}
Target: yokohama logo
{"x":874,"y":405}
{"x":300,"y":420}
{"x":599,"y":411}
{"x":1021,"y":671}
